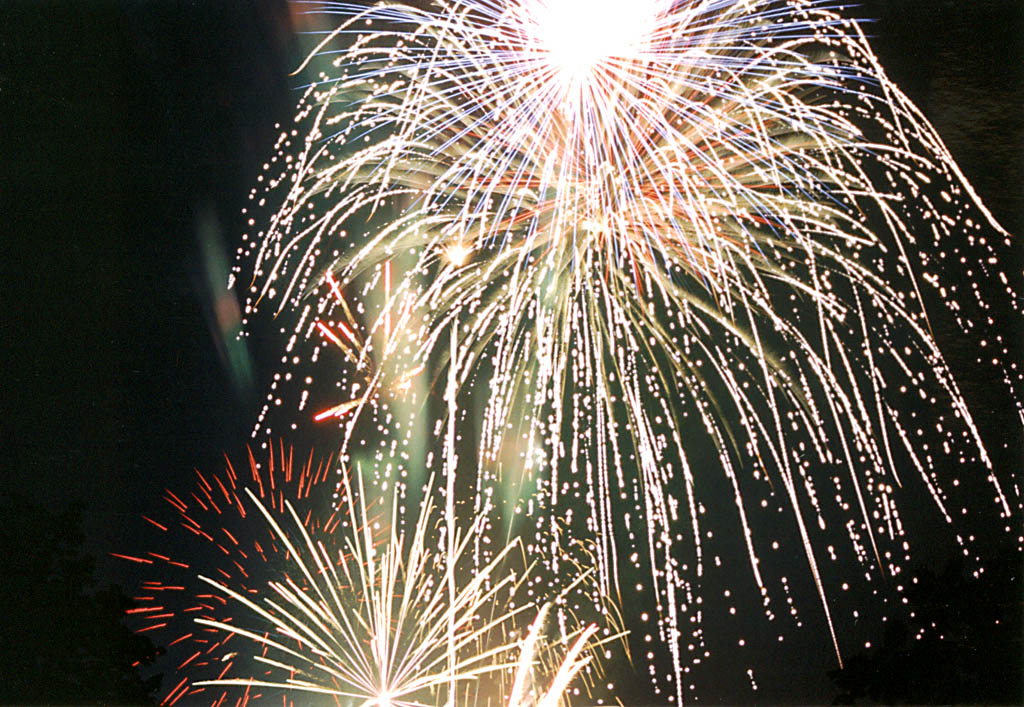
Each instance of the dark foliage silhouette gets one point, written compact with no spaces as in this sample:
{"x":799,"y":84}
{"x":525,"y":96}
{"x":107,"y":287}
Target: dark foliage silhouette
{"x":62,"y":641}
{"x":960,"y":645}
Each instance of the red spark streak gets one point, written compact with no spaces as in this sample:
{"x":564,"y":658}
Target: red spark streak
{"x":162,"y":527}
{"x":167,"y":700}
{"x":140,"y":560}
{"x":329,"y":334}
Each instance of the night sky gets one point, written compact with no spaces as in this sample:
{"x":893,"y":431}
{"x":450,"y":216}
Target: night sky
{"x":131,"y":135}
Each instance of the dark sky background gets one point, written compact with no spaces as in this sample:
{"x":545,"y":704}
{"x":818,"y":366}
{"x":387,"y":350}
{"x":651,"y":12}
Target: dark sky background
{"x":129,"y":128}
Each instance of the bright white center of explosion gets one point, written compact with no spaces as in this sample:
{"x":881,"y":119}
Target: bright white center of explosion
{"x":580,"y":35}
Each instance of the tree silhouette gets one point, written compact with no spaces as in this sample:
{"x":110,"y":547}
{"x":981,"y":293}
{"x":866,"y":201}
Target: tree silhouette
{"x":61,"y":641}
{"x":960,"y":645}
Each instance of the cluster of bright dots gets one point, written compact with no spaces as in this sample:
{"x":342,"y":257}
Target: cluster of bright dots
{"x":561,"y":280}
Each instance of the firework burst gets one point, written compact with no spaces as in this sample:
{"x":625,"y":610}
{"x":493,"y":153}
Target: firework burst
{"x":710,"y":222}
{"x":391,"y":625}
{"x":299,"y":608}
